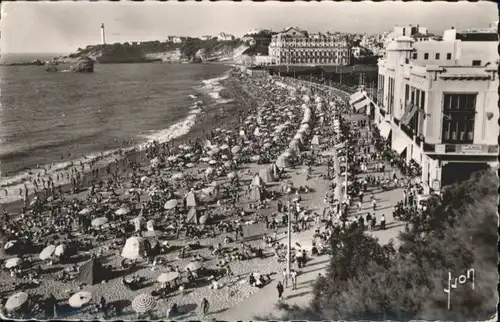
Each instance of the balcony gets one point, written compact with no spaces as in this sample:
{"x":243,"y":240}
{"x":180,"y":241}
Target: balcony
{"x":461,"y":149}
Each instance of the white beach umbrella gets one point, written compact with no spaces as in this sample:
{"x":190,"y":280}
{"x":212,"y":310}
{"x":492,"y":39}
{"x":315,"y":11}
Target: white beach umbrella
{"x":13,"y":262}
{"x":190,"y":165}
{"x":80,"y":299}
{"x":16,"y":301}
{"x":59,"y":250}
{"x":171,"y":204}
{"x":47,"y":252}
{"x":10,"y":244}
{"x":168,"y":277}
{"x":85,"y":211}
{"x":193,"y":266}
{"x":212,"y":162}
{"x":122,"y":211}
{"x":97,"y":222}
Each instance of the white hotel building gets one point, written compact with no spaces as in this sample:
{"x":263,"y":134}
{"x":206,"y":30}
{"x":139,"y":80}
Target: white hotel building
{"x":438,"y":103}
{"x":293,"y":46}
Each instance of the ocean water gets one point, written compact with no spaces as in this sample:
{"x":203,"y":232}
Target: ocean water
{"x":58,"y":118}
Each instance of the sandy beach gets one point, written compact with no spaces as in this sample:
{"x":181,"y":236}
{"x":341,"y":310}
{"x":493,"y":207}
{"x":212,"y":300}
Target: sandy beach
{"x":231,"y":182}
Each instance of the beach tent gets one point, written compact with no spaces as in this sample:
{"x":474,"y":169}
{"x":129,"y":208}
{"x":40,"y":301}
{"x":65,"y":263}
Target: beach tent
{"x":92,"y":272}
{"x":134,"y":248}
{"x":275,"y":170}
{"x":256,"y":194}
{"x":193,"y":216}
{"x":256,"y":181}
{"x":315,"y":140}
{"x":191,"y":199}
{"x":286,"y":187}
{"x":266,"y":175}
{"x":282,"y":162}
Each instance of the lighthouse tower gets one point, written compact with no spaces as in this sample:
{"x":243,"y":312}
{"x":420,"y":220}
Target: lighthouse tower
{"x":103,"y":36}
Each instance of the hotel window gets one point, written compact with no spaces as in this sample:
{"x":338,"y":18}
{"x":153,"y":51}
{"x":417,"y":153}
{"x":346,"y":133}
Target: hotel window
{"x":426,"y":56}
{"x":448,"y":56}
{"x":414,"y":56}
{"x":437,"y":55}
{"x":476,"y":63}
{"x":459,"y":112}
{"x":407,"y":94}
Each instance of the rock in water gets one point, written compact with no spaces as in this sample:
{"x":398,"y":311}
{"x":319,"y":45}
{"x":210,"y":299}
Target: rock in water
{"x":83,"y":65}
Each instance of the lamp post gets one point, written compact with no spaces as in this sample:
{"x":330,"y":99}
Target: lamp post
{"x":289,"y":251}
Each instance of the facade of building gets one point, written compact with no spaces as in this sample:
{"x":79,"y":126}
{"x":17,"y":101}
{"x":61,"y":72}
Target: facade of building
{"x":296,"y":47}
{"x":437,"y":103}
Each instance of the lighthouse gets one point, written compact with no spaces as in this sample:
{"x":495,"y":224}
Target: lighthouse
{"x":103,"y":36}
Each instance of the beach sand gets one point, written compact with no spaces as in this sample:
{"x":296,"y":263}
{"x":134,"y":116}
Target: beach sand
{"x":236,"y":288}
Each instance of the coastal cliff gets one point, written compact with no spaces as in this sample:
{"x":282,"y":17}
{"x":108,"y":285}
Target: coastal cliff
{"x":190,"y":50}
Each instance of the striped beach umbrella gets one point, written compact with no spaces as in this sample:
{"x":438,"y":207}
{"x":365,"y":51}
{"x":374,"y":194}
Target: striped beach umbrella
{"x":143,"y":303}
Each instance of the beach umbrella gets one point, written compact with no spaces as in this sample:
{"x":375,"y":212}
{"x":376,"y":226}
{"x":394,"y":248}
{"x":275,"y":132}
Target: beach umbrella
{"x":215,"y":150}
{"x":224,"y":147}
{"x":168,"y":277}
{"x":85,"y":211}
{"x":9,"y":244}
{"x":187,"y":148}
{"x":47,"y":252}
{"x":80,"y":299}
{"x":214,"y":184}
{"x":255,"y":158}
{"x":205,"y":159}
{"x":232,"y":175}
{"x":190,"y":165}
{"x":178,"y":176}
{"x":12,"y":262}
{"x":225,"y":157}
{"x":172,"y":158}
{"x":16,"y":301}
{"x":193,"y":266}
{"x":122,"y":211}
{"x":228,"y":164}
{"x":203,"y":219}
{"x":99,"y":221}
{"x":59,"y":250}
{"x":212,"y":162}
{"x":207,"y":191}
{"x":171,"y":204}
{"x":267,"y":145}
{"x":143,"y":303}
{"x":134,"y":248}
{"x":144,"y":178}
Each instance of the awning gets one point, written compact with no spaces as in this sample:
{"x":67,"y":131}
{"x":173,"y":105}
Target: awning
{"x":356,"y":97}
{"x":360,"y":105}
{"x":385,"y":129}
{"x":399,"y":145}
{"x":407,"y":117}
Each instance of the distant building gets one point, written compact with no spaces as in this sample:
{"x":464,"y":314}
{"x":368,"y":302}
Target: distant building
{"x":225,"y":37}
{"x":178,"y":40}
{"x":437,"y":103}
{"x":294,"y":46}
{"x":206,"y":37}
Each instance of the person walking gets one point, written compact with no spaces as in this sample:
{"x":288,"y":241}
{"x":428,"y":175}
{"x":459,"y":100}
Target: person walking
{"x":382,"y":222}
{"x":293,"y":276}
{"x":205,"y":306}
{"x":285,"y":277}
{"x":280,"y":289}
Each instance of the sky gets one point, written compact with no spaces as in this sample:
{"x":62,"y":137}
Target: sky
{"x":63,"y":27}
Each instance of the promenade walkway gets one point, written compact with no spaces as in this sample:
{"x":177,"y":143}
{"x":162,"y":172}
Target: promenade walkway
{"x":263,"y":303}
